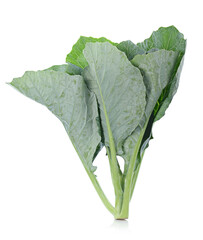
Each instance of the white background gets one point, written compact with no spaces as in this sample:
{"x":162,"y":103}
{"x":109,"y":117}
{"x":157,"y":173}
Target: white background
{"x":44,"y":191}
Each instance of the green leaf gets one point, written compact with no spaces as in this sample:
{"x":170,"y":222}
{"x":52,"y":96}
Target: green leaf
{"x":157,"y":68}
{"x":69,"y":68}
{"x":68,"y":98}
{"x":76,"y":56}
{"x":119,"y":88}
{"x":168,"y":38}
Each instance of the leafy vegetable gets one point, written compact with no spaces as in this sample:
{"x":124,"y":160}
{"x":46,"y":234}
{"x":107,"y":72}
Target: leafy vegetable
{"x":109,"y":95}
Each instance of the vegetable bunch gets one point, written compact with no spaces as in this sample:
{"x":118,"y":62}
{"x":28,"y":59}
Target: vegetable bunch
{"x":109,"y":95}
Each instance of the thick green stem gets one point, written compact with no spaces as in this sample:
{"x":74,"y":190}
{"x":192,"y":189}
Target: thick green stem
{"x":115,"y":173}
{"x":129,"y":177}
{"x":126,"y":195}
{"x":117,"y":184}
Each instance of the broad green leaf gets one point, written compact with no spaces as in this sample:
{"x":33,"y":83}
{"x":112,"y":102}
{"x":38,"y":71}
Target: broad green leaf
{"x":68,"y":98}
{"x":71,"y":69}
{"x":168,"y":38}
{"x":157,"y":68}
{"x":66,"y":68}
{"x":76,"y":56}
{"x":119,"y":88}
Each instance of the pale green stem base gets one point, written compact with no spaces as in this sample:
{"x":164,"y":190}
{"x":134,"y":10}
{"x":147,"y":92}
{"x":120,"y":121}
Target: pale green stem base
{"x":122,"y":196}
